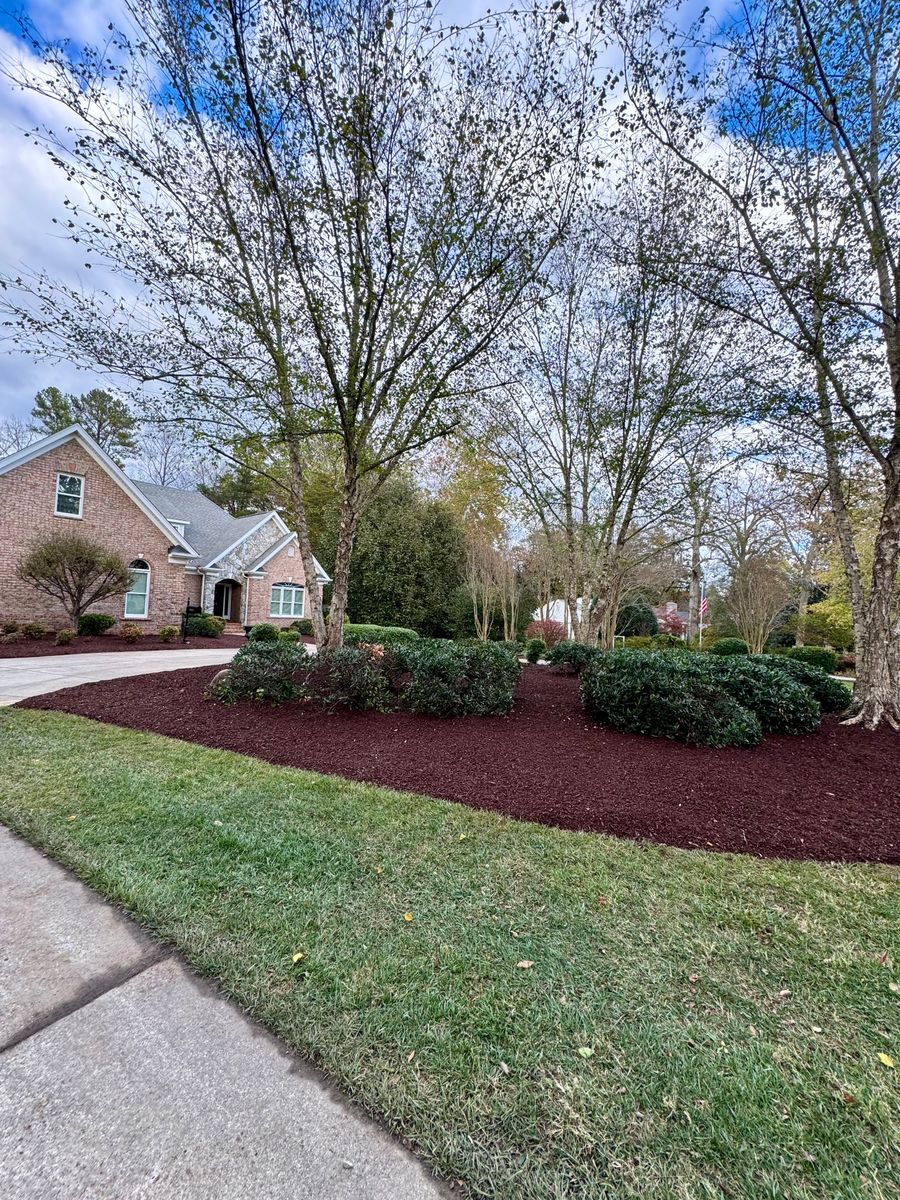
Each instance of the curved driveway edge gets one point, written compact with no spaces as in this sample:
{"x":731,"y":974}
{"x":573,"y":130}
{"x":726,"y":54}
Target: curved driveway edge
{"x":21,"y":678}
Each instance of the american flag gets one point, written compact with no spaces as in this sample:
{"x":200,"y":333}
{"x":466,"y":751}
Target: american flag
{"x":704,"y":607}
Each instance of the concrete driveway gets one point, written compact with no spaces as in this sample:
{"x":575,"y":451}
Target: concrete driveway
{"x":24,"y":677}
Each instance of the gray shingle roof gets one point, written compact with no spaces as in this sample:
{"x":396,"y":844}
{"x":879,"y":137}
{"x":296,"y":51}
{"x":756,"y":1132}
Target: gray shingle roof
{"x":210,"y":529}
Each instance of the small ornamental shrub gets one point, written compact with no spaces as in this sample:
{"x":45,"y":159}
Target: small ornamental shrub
{"x":638,"y":642}
{"x":781,"y":704}
{"x":10,"y":639}
{"x":64,"y":637}
{"x":550,"y":632}
{"x":168,"y":633}
{"x":205,"y":625}
{"x":451,"y":679}
{"x":816,"y":656}
{"x":636,"y":619}
{"x":729,"y":645}
{"x":9,"y":627}
{"x":33,"y":631}
{"x":668,"y":641}
{"x":264,"y":632}
{"x":304,"y":627}
{"x":130,"y":633}
{"x":534,"y":649}
{"x":261,"y":671}
{"x":664,"y":695}
{"x":832,"y":695}
{"x":571,"y":654}
{"x":289,"y":635}
{"x":95,"y":624}
{"x":377,"y":635}
{"x":348,"y":677}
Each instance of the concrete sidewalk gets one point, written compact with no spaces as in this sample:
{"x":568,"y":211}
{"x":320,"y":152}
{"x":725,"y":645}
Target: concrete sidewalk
{"x":123,"y":1076}
{"x":24,"y":677}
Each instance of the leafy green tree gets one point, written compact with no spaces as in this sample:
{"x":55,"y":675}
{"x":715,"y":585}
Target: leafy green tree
{"x":105,"y":417}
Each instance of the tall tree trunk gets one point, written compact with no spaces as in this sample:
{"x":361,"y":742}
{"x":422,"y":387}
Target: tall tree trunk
{"x":350,"y":511}
{"x":693,"y":622}
{"x":301,"y":527}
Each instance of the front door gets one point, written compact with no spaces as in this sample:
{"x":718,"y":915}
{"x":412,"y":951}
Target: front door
{"x":222,"y":600}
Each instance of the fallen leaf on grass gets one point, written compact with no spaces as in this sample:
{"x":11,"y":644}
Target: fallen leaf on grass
{"x":217,"y":822}
{"x":603,"y":900}
{"x":693,"y":978}
{"x":411,"y":1056}
{"x":525,"y":964}
{"x":895,"y":987}
{"x":848,"y":1097}
{"x":379,"y":870}
{"x":886,"y":1059}
{"x":296,"y":957}
{"x":586,"y":1051}
{"x":407,"y":916}
{"x":504,"y":1068}
{"x":73,"y":817}
{"x":463,"y":836}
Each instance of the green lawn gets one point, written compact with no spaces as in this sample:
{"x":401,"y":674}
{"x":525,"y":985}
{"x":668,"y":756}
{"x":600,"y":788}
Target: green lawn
{"x":693,"y":1025}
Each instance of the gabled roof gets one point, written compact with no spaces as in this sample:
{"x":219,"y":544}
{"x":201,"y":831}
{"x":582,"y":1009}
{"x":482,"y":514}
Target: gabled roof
{"x":321,"y":574}
{"x":211,"y":530}
{"x":75,"y":433}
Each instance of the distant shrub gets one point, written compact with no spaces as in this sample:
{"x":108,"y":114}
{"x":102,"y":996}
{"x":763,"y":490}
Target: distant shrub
{"x":95,"y":624}
{"x":289,"y":635}
{"x":33,"y":632}
{"x":816,"y":656}
{"x":664,"y":695}
{"x":781,"y":704}
{"x":636,"y":620}
{"x":64,"y":637}
{"x":639,"y":642}
{"x":9,"y":627}
{"x":832,"y":695}
{"x":168,"y":633}
{"x":304,"y":627}
{"x":261,"y":671}
{"x":668,"y":641}
{"x":377,"y":635}
{"x":534,"y":649}
{"x":452,"y":679}
{"x":571,"y":654}
{"x":10,"y":639}
{"x":550,"y":632}
{"x":729,"y":645}
{"x":205,"y":625}
{"x":264,"y":632}
{"x":130,"y":633}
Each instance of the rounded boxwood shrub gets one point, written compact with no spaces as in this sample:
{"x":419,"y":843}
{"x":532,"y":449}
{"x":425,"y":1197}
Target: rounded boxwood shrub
{"x":638,"y":642}
{"x":33,"y":632}
{"x":168,"y":633}
{"x":205,"y":625}
{"x":264,"y":632}
{"x":95,"y":624}
{"x":534,"y":649}
{"x":571,"y":654}
{"x":815,"y":656}
{"x":304,"y":627}
{"x":729,"y":645}
{"x":261,"y":671}
{"x":451,"y":679}
{"x":664,"y":695}
{"x":347,"y":677}
{"x":781,"y":704}
{"x":831,"y":694}
{"x":64,"y":637}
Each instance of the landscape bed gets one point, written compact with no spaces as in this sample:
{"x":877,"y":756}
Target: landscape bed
{"x":110,"y":644}
{"x":828,"y":795}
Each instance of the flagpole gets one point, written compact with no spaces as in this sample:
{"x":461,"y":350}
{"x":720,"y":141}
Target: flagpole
{"x":702,"y":598}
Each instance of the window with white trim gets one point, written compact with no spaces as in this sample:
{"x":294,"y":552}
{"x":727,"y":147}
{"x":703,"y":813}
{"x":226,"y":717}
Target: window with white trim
{"x":287,"y":600}
{"x":69,"y":495}
{"x":137,"y":598}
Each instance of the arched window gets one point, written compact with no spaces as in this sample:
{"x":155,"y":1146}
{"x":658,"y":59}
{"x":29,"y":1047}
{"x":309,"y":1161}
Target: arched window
{"x":137,"y":598}
{"x":287,"y":600}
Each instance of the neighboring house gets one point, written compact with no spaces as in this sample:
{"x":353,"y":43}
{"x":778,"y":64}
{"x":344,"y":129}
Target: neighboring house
{"x":182,"y":548}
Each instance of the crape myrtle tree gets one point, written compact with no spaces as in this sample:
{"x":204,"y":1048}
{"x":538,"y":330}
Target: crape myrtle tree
{"x":314,"y":218}
{"x":608,"y":380}
{"x":790,"y":113}
{"x":74,"y":571}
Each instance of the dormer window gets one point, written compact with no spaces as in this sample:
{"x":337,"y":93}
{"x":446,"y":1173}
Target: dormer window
{"x":69,"y":495}
{"x":179,"y":527}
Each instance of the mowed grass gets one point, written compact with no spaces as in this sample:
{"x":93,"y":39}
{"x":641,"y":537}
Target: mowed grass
{"x":693,"y":1025}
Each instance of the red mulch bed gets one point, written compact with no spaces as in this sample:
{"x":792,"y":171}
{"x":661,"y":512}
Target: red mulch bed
{"x":831,"y":795}
{"x":108,"y":644}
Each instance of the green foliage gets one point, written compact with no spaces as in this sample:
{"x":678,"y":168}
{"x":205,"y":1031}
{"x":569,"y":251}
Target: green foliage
{"x":668,"y":641}
{"x":452,"y":679}
{"x":728,"y":645}
{"x":638,"y":643}
{"x":408,"y":558}
{"x":781,"y":704}
{"x":33,"y":631}
{"x":829,"y":621}
{"x":571,"y":654}
{"x":205,"y":625}
{"x":95,"y":624}
{"x":264,"y":632}
{"x":9,"y":627}
{"x":304,"y":627}
{"x":816,"y":656}
{"x":104,"y":416}
{"x":534,"y":649}
{"x":168,"y":633}
{"x":261,"y":670}
{"x":64,"y":637}
{"x":377,"y":634}
{"x":347,"y":677}
{"x":289,"y":635}
{"x":831,"y":694}
{"x":664,"y":695}
{"x":636,"y":619}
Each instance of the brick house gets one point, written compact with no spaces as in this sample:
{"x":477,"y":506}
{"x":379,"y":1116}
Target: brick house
{"x":182,"y":547}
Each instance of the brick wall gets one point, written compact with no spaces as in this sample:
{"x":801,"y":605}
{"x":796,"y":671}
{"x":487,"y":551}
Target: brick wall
{"x":285,"y":567}
{"x":109,"y":516}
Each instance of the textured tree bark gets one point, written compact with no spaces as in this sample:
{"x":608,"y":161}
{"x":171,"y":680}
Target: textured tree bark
{"x":301,"y":526}
{"x":350,"y":512}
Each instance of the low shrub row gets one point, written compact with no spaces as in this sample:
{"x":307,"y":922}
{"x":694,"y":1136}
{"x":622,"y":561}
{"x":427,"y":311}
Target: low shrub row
{"x":727,"y":700}
{"x":427,"y":676}
{"x":377,"y":635}
{"x":205,"y":625}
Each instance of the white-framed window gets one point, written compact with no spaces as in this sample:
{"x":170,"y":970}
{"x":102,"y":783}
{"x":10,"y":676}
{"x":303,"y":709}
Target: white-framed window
{"x":287,"y":600}
{"x":137,"y":598}
{"x":69,"y":495}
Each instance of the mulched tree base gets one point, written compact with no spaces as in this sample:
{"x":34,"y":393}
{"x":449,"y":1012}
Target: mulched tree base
{"x":831,"y":795}
{"x":109,"y":644}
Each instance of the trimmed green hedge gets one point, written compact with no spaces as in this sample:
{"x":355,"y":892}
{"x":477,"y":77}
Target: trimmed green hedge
{"x":95,"y":624}
{"x":782,"y":704}
{"x":205,"y":625}
{"x":831,"y":694}
{"x":261,"y":670}
{"x":377,"y":635}
{"x":264,"y":632}
{"x":728,"y":645}
{"x":534,"y":649}
{"x":814,"y":656}
{"x":571,"y":654}
{"x":454,"y":679}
